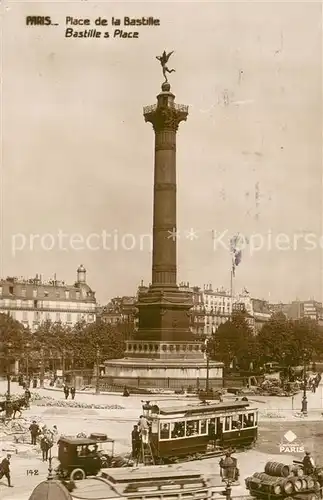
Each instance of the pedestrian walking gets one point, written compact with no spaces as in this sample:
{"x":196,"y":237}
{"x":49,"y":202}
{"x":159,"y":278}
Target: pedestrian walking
{"x":44,"y":446}
{"x":73,"y":391}
{"x":27,"y":397}
{"x":66,"y":391}
{"x":5,"y":469}
{"x":34,"y":431}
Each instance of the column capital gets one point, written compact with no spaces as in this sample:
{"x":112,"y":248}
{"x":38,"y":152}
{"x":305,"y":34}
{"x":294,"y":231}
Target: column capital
{"x":166,"y":117}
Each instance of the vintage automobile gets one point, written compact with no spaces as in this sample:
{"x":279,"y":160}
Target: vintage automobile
{"x":81,"y":457}
{"x":198,"y":430}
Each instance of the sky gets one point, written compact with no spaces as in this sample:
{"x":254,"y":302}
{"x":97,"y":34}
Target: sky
{"x":78,"y":157}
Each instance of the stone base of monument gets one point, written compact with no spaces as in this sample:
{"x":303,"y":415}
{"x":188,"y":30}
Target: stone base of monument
{"x":162,"y":365}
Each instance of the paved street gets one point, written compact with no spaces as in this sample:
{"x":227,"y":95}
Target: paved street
{"x":276,"y":418}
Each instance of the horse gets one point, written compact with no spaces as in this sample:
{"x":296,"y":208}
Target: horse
{"x":18,"y":405}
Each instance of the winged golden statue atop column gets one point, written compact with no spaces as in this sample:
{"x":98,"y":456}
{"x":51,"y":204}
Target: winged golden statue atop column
{"x":163,"y":59}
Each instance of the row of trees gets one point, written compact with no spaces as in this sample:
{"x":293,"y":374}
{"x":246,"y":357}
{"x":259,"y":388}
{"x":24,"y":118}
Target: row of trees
{"x":280,"y":340}
{"x":75,"y":347}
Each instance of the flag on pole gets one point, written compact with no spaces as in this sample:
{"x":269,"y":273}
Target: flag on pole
{"x":236,"y":244}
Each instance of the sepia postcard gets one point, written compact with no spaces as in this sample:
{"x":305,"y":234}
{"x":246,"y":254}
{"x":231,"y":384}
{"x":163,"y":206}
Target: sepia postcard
{"x":161,"y":279}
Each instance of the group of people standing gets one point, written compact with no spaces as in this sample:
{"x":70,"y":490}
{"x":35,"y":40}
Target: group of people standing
{"x":69,"y":390}
{"x":47,"y":437}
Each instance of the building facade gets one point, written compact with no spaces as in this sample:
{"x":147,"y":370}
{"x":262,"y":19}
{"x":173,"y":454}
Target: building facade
{"x":33,"y":301}
{"x":120,"y":310}
{"x":299,"y":309}
{"x":211,"y":308}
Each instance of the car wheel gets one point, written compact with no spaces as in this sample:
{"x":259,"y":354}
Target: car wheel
{"x":77,"y":475}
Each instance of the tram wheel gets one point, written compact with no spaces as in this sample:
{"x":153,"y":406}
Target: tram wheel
{"x":77,"y":475}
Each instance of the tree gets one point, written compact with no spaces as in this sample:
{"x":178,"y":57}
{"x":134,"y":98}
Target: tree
{"x":234,"y":342}
{"x":274,"y":340}
{"x":101,"y":339}
{"x":287,"y":341}
{"x":12,"y":338}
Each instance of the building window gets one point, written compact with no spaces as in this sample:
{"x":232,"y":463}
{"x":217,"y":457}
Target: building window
{"x":58,"y":316}
{"x":67,"y":294}
{"x":57,"y":295}
{"x":0,"y":290}
{"x":47,"y":316}
{"x":11,"y":290}
{"x":24,"y":316}
{"x":77,"y":295}
{"x":23,"y":292}
{"x":78,"y":317}
{"x":13,"y":314}
{"x":34,"y":293}
{"x":69,"y":318}
{"x":36,"y":316}
{"x":46,"y":293}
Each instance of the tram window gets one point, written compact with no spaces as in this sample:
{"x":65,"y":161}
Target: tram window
{"x":192,"y":427}
{"x":212,"y":427}
{"x":164,"y":431}
{"x":236,"y":422}
{"x":203,"y":427}
{"x":248,"y":420}
{"x":227,"y":423}
{"x":154,"y":427}
{"x":177,"y":429}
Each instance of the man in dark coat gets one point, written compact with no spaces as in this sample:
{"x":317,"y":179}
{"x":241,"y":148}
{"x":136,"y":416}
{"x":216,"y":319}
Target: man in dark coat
{"x":308,"y":464}
{"x":66,"y":391}
{"x":44,"y":446}
{"x":5,"y":469}
{"x":135,"y":442}
{"x":34,"y":431}
{"x":73,"y":392}
{"x":27,"y":396}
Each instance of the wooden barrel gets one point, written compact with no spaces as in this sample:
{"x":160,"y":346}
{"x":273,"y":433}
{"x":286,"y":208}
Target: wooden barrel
{"x":297,"y":483}
{"x":304,"y":483}
{"x":252,"y":483}
{"x":310,"y":482}
{"x":270,"y":484}
{"x":296,"y":470}
{"x":288,"y":486}
{"x":305,"y":496}
{"x":277,"y":469}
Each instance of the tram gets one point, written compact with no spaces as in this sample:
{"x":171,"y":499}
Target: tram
{"x":200,"y":429}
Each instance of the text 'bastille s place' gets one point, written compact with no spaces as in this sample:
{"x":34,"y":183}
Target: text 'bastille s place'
{"x":115,"y":21}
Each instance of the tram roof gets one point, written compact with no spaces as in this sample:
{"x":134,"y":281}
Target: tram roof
{"x":211,"y":407}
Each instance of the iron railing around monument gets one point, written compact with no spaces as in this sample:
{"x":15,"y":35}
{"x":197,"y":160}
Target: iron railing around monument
{"x":179,"y":107}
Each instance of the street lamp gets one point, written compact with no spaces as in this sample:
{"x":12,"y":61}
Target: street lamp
{"x":42,"y":368}
{"x":8,"y":395}
{"x":97,"y":383}
{"x":27,"y":346}
{"x":229,"y":473}
{"x":50,"y":470}
{"x":304,"y":399}
{"x":206,"y":350}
